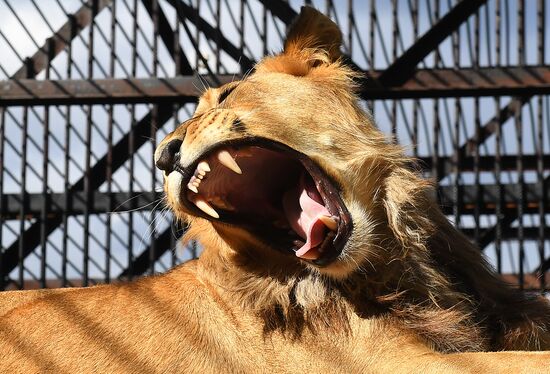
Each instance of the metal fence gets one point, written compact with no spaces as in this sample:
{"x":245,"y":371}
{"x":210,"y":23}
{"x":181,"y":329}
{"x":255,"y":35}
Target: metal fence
{"x":88,"y":88}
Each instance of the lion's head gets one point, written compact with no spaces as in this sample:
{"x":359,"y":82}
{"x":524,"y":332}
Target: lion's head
{"x":286,"y":159}
{"x":284,"y":175}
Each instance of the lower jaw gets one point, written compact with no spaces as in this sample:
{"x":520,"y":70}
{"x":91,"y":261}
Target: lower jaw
{"x":262,"y":251}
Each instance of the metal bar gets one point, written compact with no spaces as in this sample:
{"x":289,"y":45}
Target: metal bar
{"x":45,"y":161}
{"x":21,"y":242}
{"x":196,"y":16}
{"x":540,"y":145}
{"x":2,"y":161}
{"x":518,"y":123}
{"x":416,"y":103}
{"x":498,"y":141}
{"x":131,"y":147}
{"x":436,"y":116}
{"x":23,"y":196}
{"x":67,"y":159}
{"x":426,"y":83}
{"x":109,"y":171}
{"x":87,"y":157}
{"x":156,"y":12}
{"x":218,"y":34}
{"x":241,"y":32}
{"x":477,"y":130}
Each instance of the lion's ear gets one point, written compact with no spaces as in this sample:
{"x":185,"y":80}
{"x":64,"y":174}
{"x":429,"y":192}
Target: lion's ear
{"x":315,"y":31}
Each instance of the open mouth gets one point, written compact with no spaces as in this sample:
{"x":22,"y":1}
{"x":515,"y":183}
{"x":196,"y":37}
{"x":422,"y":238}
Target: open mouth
{"x":276,"y":193}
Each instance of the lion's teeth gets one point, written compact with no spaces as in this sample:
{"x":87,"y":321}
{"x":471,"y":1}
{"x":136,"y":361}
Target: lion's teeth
{"x":203,"y":166}
{"x":193,"y":184}
{"x":192,"y":188}
{"x":329,"y":222}
{"x":228,"y":161}
{"x":206,"y":208}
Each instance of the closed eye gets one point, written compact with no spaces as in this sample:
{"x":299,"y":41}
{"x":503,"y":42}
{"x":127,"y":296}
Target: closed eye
{"x":224,"y":94}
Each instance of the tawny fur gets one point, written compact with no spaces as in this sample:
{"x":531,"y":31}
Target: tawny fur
{"x":407,"y":290}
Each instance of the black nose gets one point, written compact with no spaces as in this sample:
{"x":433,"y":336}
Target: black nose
{"x":168,"y":155}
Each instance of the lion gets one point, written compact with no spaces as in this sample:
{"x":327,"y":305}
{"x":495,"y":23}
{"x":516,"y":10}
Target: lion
{"x":323,"y":250}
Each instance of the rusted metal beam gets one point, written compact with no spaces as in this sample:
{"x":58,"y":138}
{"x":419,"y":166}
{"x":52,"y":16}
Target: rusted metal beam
{"x":487,"y":200}
{"x":529,"y":233}
{"x":438,"y":83}
{"x":102,"y":91}
{"x":446,"y":164}
{"x":56,"y":203}
{"x":426,"y":83}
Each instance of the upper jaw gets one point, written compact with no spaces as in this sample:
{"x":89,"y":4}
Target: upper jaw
{"x":232,"y":158}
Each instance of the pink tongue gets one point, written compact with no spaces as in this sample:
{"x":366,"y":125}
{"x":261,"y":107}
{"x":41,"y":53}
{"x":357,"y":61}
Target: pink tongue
{"x":304,"y":219}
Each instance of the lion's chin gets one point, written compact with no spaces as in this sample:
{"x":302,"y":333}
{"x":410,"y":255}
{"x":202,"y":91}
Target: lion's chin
{"x":278,"y":195}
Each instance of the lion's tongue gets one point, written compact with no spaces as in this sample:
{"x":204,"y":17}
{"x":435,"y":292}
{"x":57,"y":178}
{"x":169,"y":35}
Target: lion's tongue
{"x":304,"y":218}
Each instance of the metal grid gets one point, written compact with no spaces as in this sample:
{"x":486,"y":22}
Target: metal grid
{"x":88,"y":88}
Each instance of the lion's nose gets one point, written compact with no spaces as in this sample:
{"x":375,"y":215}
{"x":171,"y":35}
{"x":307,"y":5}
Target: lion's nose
{"x":168,"y":154}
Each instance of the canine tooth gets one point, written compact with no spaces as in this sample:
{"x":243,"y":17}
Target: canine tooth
{"x":192,"y":188}
{"x":228,"y":161}
{"x":206,"y":208}
{"x":203,"y":166}
{"x":329,"y":222}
